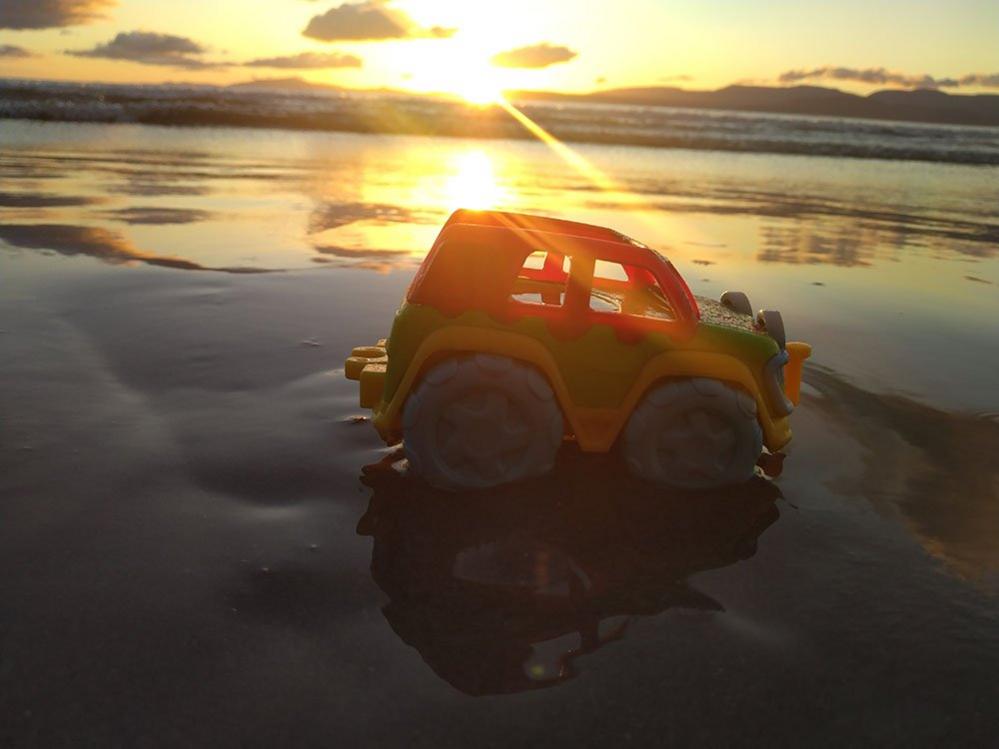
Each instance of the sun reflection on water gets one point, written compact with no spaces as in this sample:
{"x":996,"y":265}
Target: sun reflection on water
{"x":473,"y":182}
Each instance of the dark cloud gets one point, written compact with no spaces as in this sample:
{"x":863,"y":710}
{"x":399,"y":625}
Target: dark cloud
{"x":308,"y":60}
{"x":47,"y":14}
{"x":334,"y":215}
{"x":151,"y":185}
{"x":350,"y":252}
{"x":84,"y":240}
{"x":883,"y":77}
{"x":985,"y":80}
{"x":878,"y":76}
{"x":151,"y":48}
{"x":381,"y":261}
{"x":534,"y":56}
{"x":39,"y":200}
{"x":11,"y":50}
{"x":372,"y":20}
{"x":107,"y":246}
{"x":150,"y":215}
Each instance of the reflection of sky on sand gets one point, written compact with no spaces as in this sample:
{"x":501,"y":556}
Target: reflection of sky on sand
{"x":775,"y":225}
{"x":849,"y":248}
{"x":934,"y":470}
{"x":270,"y":198}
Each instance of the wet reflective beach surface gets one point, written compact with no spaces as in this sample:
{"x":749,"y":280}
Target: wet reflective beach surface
{"x":194,"y":553}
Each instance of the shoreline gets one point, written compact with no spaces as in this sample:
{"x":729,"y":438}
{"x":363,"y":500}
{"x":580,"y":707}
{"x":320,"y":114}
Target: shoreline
{"x":243,"y":122}
{"x":781,"y":126}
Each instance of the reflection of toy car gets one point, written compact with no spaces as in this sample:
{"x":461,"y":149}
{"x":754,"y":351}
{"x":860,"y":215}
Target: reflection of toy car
{"x":519,"y":331}
{"x":505,"y":592}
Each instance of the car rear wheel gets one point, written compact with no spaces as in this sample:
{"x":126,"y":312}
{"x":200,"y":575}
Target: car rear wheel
{"x":480,"y":420}
{"x":694,"y":434}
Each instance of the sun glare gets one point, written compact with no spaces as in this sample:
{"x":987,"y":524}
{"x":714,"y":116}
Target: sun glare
{"x":460,"y":69}
{"x":481,"y":92}
{"x":473,"y":183}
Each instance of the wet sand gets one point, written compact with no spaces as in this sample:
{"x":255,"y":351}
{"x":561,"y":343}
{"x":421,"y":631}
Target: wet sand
{"x":193,"y":553}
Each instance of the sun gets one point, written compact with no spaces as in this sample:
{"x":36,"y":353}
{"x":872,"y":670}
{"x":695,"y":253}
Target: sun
{"x":478,"y":84}
{"x":479,"y":91}
{"x":458,"y":69}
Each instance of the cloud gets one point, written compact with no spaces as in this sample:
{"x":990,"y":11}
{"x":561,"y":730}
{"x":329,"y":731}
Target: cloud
{"x":47,"y":14}
{"x":158,"y":216}
{"x":878,"y":76}
{"x":10,"y":50}
{"x":334,"y":215}
{"x":41,"y":200}
{"x":883,"y":77}
{"x":69,"y":240}
{"x":371,"y":20}
{"x":150,"y":48}
{"x":304,"y":60}
{"x":107,"y":246}
{"x":534,"y":56}
{"x":985,"y":80}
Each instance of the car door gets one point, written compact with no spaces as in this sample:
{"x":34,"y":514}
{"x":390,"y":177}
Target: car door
{"x":618,"y":316}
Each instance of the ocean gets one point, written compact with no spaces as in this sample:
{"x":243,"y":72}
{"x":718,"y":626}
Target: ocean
{"x":404,"y":114}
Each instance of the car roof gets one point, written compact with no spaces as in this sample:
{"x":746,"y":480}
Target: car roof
{"x":478,"y":255}
{"x":529,"y":222}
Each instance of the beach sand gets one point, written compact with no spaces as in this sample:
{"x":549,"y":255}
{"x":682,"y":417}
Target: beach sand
{"x":182,"y":461}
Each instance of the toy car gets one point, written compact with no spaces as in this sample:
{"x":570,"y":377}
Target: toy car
{"x":519,"y":332}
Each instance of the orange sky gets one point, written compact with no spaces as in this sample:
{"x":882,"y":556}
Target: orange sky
{"x":476,"y":48}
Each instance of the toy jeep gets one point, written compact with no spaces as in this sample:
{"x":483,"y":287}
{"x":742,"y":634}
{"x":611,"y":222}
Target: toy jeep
{"x":519,"y":332}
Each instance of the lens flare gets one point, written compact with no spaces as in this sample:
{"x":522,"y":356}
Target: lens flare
{"x":575,"y":160}
{"x":643,"y":212}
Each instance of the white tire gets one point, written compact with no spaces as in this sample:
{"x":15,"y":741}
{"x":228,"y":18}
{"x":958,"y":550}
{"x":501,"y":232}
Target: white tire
{"x":694,"y":434}
{"x":479,"y":420}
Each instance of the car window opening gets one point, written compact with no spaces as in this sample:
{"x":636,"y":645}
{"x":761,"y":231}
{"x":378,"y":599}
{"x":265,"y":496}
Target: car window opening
{"x":542,"y":279}
{"x":628,"y":290}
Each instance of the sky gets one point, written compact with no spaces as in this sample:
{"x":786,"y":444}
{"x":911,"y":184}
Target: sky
{"x":474,"y":48}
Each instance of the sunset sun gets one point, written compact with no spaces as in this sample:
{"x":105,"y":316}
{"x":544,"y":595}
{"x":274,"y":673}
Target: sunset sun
{"x":480,"y":91}
{"x":458,"y":69}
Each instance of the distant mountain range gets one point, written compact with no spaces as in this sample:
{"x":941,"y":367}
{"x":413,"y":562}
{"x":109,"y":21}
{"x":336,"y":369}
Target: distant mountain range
{"x":920,"y":105}
{"x":285,"y":85}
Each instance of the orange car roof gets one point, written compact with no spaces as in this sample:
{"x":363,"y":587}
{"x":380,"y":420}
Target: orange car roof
{"x":499,"y":242}
{"x":507,"y":220}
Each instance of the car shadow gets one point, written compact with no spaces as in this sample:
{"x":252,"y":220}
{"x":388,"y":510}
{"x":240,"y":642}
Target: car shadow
{"x":501,"y":591}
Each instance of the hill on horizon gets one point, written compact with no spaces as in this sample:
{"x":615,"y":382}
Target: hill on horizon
{"x":291,"y":84}
{"x":915,"y":105}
